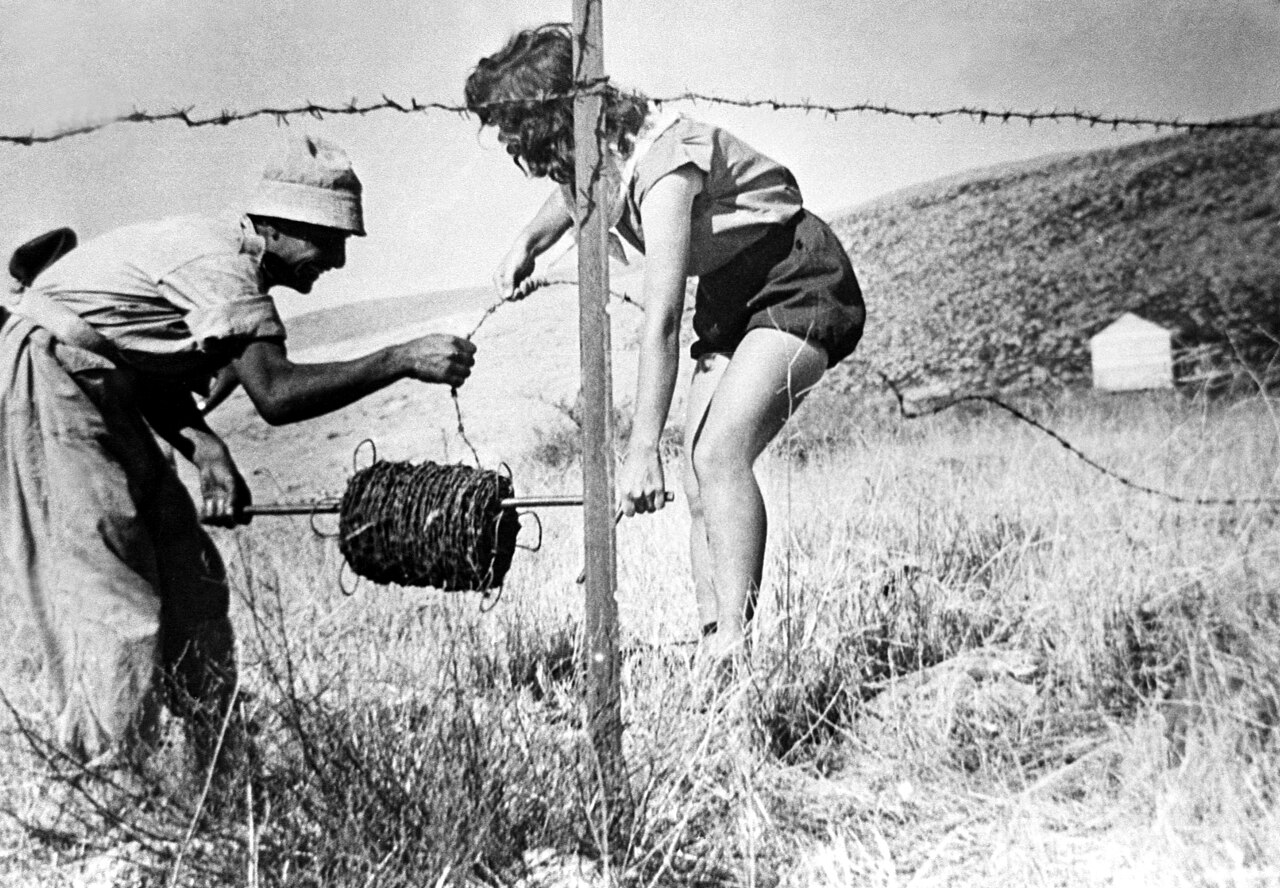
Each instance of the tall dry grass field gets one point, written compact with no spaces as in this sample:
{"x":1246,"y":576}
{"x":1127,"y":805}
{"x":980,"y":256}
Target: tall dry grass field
{"x":976,"y":662}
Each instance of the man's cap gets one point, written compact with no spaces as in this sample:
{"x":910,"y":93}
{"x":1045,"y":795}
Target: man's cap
{"x":315,"y":184}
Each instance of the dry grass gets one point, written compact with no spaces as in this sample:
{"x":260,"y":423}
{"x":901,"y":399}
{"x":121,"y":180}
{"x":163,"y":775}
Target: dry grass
{"x":976,"y":662}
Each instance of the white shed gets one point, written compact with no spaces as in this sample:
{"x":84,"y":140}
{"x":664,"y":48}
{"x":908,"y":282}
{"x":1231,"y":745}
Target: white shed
{"x":1132,"y":353}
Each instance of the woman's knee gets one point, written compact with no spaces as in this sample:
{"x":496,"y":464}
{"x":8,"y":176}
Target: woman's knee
{"x":692,"y":489}
{"x":716,"y":459}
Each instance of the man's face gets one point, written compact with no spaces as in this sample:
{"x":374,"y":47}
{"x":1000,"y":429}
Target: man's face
{"x":297,"y":254}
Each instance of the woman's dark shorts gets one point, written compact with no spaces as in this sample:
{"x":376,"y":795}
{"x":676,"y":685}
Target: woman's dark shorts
{"x":797,"y":278}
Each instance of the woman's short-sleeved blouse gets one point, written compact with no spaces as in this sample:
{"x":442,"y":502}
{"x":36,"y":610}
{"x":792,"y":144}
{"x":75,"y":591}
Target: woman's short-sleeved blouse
{"x":175,"y":296}
{"x":744,"y":191}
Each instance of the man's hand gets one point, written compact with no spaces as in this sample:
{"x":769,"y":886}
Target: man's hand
{"x":438,"y":357}
{"x":223,"y":491}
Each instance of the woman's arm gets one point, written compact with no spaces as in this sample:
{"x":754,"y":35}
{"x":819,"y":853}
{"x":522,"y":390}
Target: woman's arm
{"x":667,"y":208}
{"x":285,"y":392}
{"x":548,"y":225}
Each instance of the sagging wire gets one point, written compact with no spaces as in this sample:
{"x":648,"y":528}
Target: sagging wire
{"x":1075,"y":451}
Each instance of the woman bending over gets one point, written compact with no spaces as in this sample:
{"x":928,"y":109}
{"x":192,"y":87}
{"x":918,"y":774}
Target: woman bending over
{"x":777,"y":300}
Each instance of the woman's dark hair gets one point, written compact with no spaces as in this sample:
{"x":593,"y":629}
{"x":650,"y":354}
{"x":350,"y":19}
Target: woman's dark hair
{"x":510,"y":89}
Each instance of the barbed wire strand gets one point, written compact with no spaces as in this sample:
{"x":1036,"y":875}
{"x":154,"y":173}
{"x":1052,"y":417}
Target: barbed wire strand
{"x":283,"y":115}
{"x":526,"y":289}
{"x":1075,"y":451}
{"x":453,"y":391}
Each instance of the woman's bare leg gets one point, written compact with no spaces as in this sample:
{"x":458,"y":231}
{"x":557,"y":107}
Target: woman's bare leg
{"x":763,"y":384}
{"x":706,"y":375}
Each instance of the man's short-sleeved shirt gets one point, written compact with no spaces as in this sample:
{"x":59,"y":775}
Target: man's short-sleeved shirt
{"x":179,"y":296}
{"x":744,"y":192}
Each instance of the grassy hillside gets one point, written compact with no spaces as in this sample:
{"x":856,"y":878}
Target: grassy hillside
{"x":998,"y":281}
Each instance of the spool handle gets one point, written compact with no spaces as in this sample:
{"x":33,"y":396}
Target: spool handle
{"x":332,"y":505}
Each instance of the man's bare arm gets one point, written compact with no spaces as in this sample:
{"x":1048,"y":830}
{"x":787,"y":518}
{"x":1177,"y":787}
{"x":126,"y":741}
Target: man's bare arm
{"x":285,"y":392}
{"x":171,"y":412}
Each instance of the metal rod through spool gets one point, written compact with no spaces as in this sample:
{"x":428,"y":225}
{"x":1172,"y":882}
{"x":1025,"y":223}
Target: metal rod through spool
{"x":333,"y":505}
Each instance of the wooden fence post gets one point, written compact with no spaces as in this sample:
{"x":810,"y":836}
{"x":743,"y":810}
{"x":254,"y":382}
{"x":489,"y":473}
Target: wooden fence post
{"x":600,"y":668}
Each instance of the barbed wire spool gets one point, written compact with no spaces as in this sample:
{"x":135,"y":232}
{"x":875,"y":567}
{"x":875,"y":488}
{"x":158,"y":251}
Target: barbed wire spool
{"x":428,"y":524}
